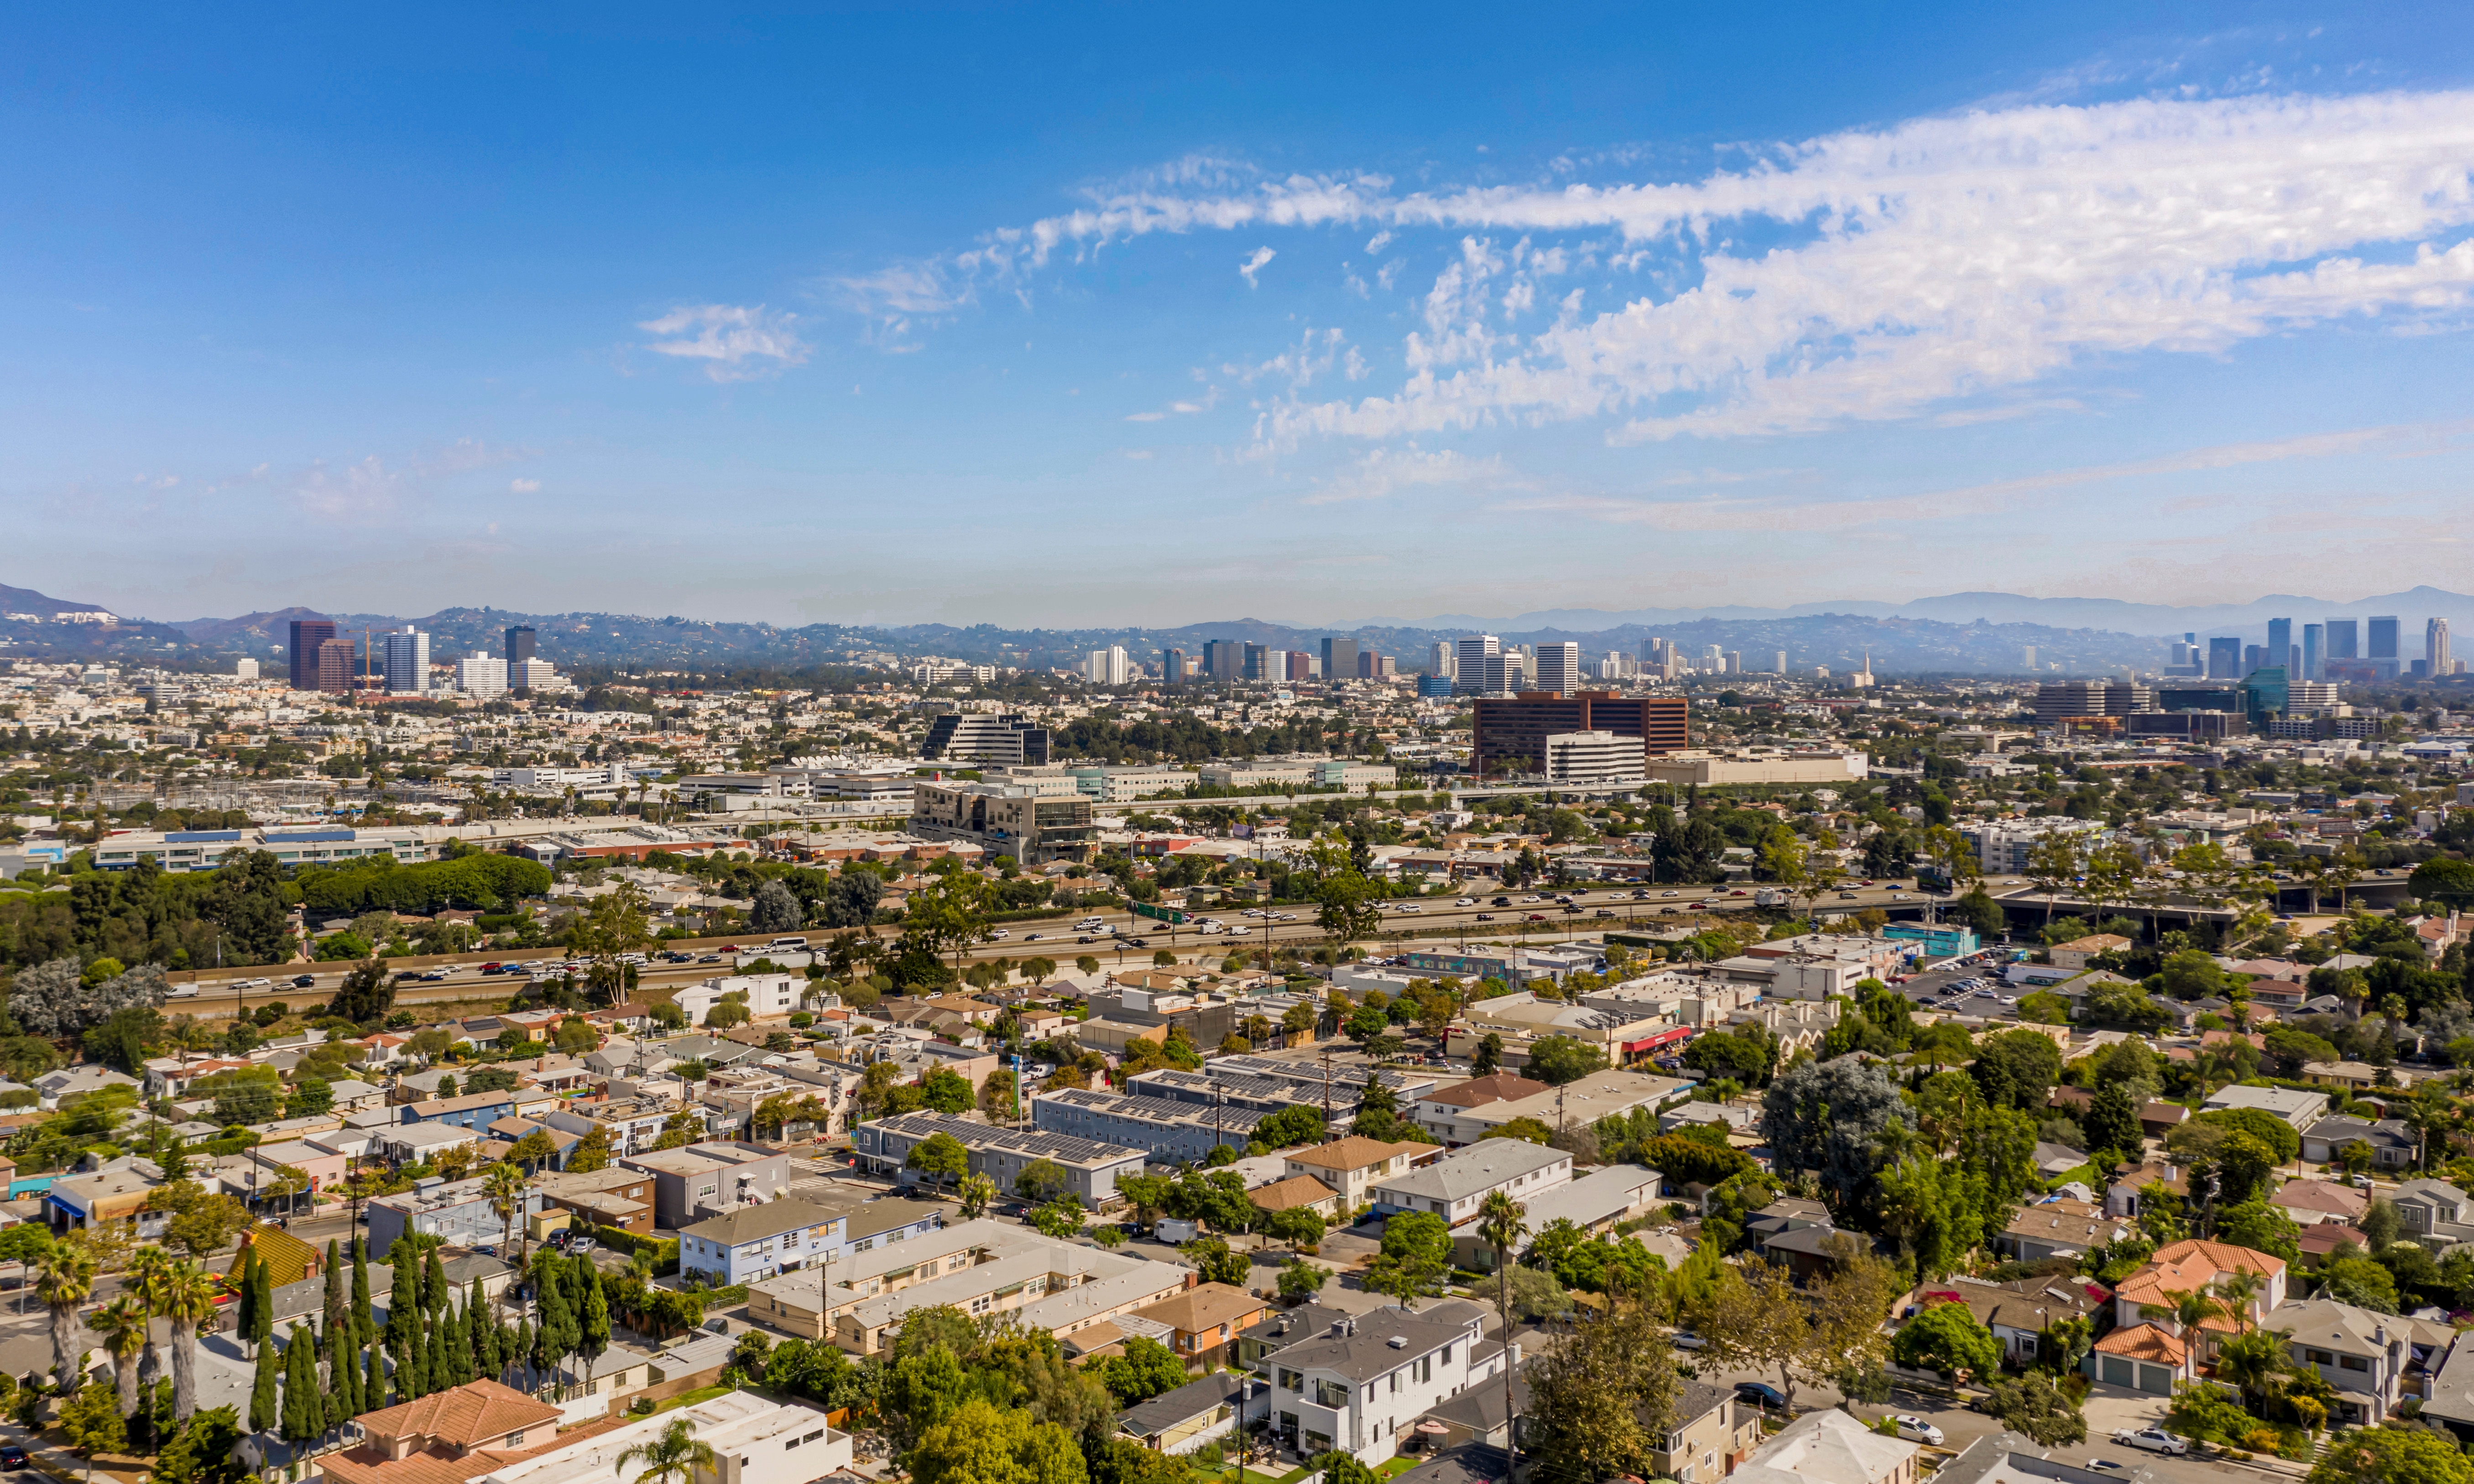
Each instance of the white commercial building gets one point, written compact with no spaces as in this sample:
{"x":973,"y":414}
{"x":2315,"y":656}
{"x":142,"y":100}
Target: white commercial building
{"x":1755,"y":766}
{"x":535,"y":675}
{"x":482,"y":674}
{"x":407,"y":663}
{"x":1108,"y":666}
{"x":1584,"y":757}
{"x":754,"y":1440}
{"x":245,"y":670}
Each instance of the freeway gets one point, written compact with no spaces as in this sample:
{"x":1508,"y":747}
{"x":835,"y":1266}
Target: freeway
{"x":1533,"y":916}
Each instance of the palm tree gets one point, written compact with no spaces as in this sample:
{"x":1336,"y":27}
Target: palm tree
{"x":187,"y":1300}
{"x":2240,"y":1289}
{"x":2257,"y":1362}
{"x":503,"y":1188}
{"x":148,"y":1273}
{"x":673,"y":1455}
{"x":67,"y":1280}
{"x":2191,"y":1307}
{"x":123,"y":1324}
{"x":1500,"y":1226}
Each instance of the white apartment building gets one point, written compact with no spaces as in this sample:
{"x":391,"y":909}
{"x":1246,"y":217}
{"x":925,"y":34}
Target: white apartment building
{"x":754,"y":1440}
{"x":1361,"y":1385}
{"x":536,"y":675}
{"x":767,"y":994}
{"x":1108,"y":666}
{"x":482,"y":674}
{"x":407,"y":663}
{"x":1584,"y":758}
{"x":2002,"y":848}
{"x":1455,"y":1186}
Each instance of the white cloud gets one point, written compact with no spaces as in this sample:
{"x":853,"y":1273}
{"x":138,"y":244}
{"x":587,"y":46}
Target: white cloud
{"x":524,"y":486}
{"x":1919,"y":269}
{"x":735,"y":341}
{"x":1379,"y":472}
{"x":1254,"y":265}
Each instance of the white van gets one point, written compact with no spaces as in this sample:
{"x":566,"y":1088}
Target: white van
{"x":791,"y":942}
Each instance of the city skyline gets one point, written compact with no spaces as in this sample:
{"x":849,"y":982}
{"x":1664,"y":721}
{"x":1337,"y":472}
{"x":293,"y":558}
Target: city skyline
{"x":715,"y":320}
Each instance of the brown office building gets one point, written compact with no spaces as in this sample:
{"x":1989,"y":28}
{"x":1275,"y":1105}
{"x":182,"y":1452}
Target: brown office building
{"x":308,"y":633}
{"x":1510,"y":735}
{"x":334,"y":667}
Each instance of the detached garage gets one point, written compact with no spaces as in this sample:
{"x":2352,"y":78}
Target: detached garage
{"x":2143,"y":1358}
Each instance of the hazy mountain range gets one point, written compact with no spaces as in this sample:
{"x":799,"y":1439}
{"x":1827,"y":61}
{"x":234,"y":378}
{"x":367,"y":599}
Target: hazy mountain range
{"x":1984,"y":633}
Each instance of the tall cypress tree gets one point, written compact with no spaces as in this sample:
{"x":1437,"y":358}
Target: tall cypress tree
{"x":264,"y":1413}
{"x":336,"y":1312}
{"x":304,"y":1412}
{"x":592,"y":1319}
{"x":449,"y":1330}
{"x":523,"y":1355}
{"x":365,"y":1322}
{"x":403,"y":1295}
{"x":343,"y":1374}
{"x":262,"y":1309}
{"x":373,"y":1389}
{"x":433,"y":1283}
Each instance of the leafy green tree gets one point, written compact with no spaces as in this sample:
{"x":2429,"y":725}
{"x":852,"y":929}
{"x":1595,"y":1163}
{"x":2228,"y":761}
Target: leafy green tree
{"x":2035,"y":1407}
{"x":941,"y":1156}
{"x":1144,"y":1370}
{"x":1948,"y":1339}
{"x":1557,"y":1059}
{"x":2112,"y":1120}
{"x":202,"y":1451}
{"x":2392,"y":1455}
{"x":1292,"y":1126}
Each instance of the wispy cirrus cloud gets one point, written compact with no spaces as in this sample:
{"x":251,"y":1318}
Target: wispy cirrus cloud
{"x":1940,"y":265}
{"x":735,"y":342}
{"x":1381,"y":473}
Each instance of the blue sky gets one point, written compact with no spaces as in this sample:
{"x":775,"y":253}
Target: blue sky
{"x":1163,"y":314}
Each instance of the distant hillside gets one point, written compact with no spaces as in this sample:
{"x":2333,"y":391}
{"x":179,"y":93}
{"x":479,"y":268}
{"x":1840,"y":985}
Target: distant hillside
{"x":32,"y":630}
{"x":2111,"y":614}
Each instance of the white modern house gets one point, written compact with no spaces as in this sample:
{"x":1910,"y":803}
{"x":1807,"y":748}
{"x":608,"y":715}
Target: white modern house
{"x":1360,"y":1385}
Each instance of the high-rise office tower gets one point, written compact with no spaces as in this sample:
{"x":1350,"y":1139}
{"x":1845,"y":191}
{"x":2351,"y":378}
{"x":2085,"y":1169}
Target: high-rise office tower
{"x":1470,"y":665}
{"x":2028,"y":656}
{"x":1440,"y":661}
{"x":1559,"y":668}
{"x":1224,"y":659}
{"x":2280,"y":640}
{"x":2382,"y":649}
{"x":308,"y":633}
{"x":2254,"y":658}
{"x":407,"y":663}
{"x":2434,"y":643}
{"x":1778,"y":666}
{"x":1713,"y":660}
{"x":2225,"y":659}
{"x":520,"y":643}
{"x":1259,"y":663}
{"x":1173,"y":666}
{"x":332,"y":670}
{"x":2344,"y":640}
{"x":2315,"y":652}
{"x":1339,"y":659}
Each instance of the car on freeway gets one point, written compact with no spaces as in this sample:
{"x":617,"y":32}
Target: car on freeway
{"x":1466,"y":902}
{"x":1670,"y":894}
{"x":182,"y":992}
{"x":1760,"y":1393}
{"x":1538,"y":916}
{"x":305,"y":981}
{"x":433,"y":976}
{"x":1915,"y":1429}
{"x":1666,"y":909}
{"x":1086,"y":938}
{"x":1486,"y":916}
{"x":1033,"y":937}
{"x":1137,"y":942}
{"x":1603,"y":912}
{"x":2155,"y":1440}
{"x":1739,"y":894}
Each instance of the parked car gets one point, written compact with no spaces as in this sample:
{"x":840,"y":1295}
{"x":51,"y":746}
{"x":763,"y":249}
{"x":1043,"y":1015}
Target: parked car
{"x":13,"y":1457}
{"x":1915,"y":1429}
{"x":1686,"y":1339}
{"x":1760,"y":1393}
{"x":2156,"y":1440}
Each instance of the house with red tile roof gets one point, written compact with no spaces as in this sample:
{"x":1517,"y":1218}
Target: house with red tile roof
{"x":448,"y":1437}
